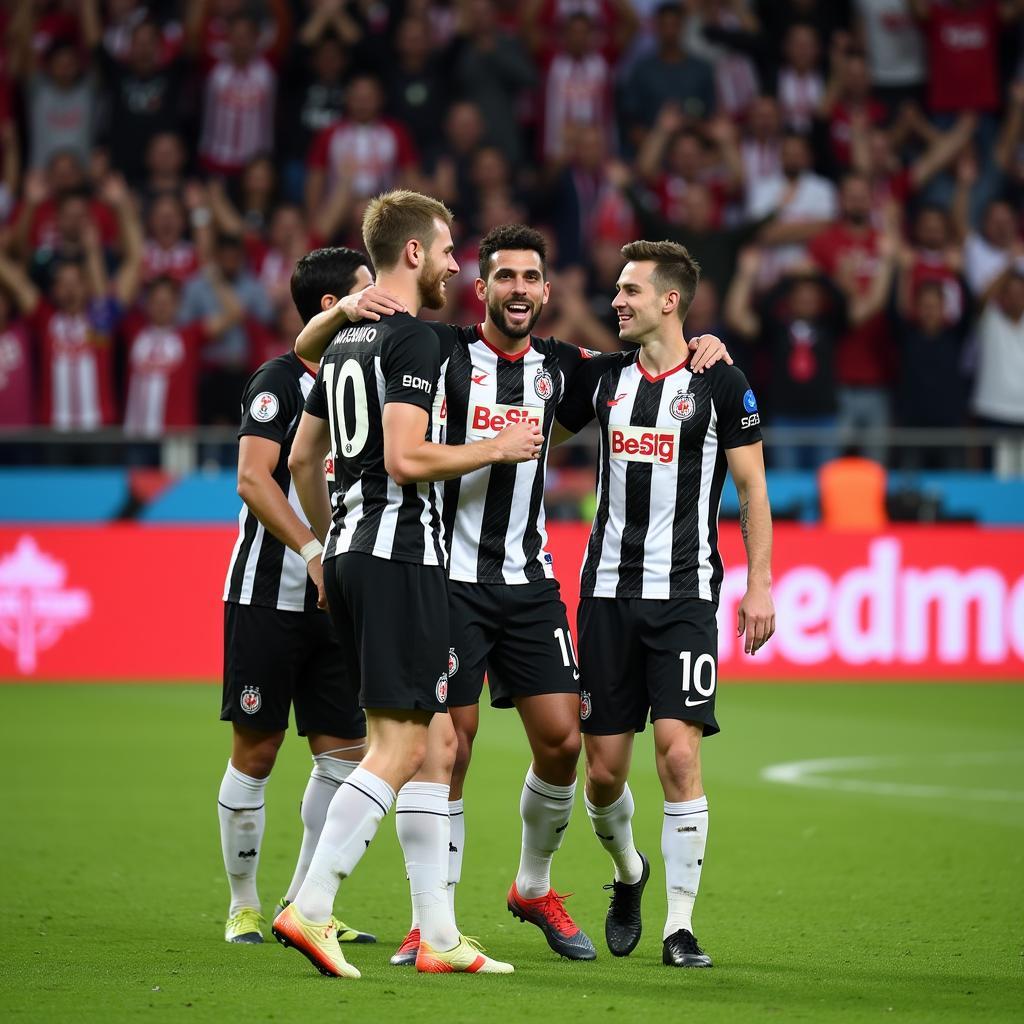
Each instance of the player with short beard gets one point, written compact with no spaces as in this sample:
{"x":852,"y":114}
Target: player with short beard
{"x":507,"y":616}
{"x":378,"y":404}
{"x":650,"y":581}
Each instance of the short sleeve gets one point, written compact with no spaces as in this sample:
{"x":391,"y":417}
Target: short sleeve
{"x":739,"y":422}
{"x":576,"y":408}
{"x":270,"y":403}
{"x":411,"y":363}
{"x":316,"y":400}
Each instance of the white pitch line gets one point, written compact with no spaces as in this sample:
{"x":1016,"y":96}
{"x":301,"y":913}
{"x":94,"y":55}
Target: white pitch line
{"x":813,"y":775}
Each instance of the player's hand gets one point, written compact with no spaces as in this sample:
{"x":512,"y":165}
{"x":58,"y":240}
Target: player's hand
{"x":756,"y":617}
{"x":370,"y":304}
{"x":519,"y":442}
{"x":706,"y":350}
{"x":315,"y":568}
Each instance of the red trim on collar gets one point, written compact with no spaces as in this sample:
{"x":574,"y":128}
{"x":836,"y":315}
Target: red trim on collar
{"x":513,"y":357}
{"x":661,"y":376}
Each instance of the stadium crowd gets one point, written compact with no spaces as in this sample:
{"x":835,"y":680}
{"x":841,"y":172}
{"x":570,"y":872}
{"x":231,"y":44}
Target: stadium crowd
{"x":850,"y":176}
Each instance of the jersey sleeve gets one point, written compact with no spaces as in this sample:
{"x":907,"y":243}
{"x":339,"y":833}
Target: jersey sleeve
{"x":576,"y":409}
{"x":739,"y":422}
{"x":411,"y":363}
{"x":270,"y":403}
{"x":316,"y":400}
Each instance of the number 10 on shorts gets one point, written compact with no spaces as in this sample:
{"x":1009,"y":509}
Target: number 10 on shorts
{"x":699,"y":677}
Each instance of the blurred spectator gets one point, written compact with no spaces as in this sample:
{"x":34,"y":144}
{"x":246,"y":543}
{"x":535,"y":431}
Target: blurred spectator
{"x":874,"y":154}
{"x":852,"y":253}
{"x":313,"y":98}
{"x":803,"y":202}
{"x":715,"y":249}
{"x":17,"y":389}
{"x":123,"y":17}
{"x":801,"y":85}
{"x":357,"y":157}
{"x":166,"y":160}
{"x":847,"y":101}
{"x":586,"y":203}
{"x":34,"y":221}
{"x":417,"y":87}
{"x":492,"y":67}
{"x":719,"y":31}
{"x":169,"y":250}
{"x":988,"y":252}
{"x":762,"y":142}
{"x":238,"y":102}
{"x":801,"y":323}
{"x":895,"y":48}
{"x":669,"y":75}
{"x":931,"y":389}
{"x":672,"y":160}
{"x":463,"y":136}
{"x":62,"y":102}
{"x":963,"y":52}
{"x":161,"y":364}
{"x":74,"y":324}
{"x":220,"y":296}
{"x":577,"y":85}
{"x":147,"y":95}
{"x":999,"y":387}
{"x":244,"y":206}
{"x":935,"y":258}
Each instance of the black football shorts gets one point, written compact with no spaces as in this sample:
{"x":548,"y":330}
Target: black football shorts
{"x":517,"y":634}
{"x":274,"y":660}
{"x":391,"y":621}
{"x":642,"y":655}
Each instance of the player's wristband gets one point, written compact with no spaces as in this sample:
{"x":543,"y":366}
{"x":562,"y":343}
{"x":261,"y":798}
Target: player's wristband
{"x":310,"y":550}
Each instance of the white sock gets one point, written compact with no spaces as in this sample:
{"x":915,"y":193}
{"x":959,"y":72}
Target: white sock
{"x":613,"y":826}
{"x":421,"y":818}
{"x":327,"y":775}
{"x":240,"y":808}
{"x":456,"y":846}
{"x":545,"y":810}
{"x":352,"y":820}
{"x":684,"y":835}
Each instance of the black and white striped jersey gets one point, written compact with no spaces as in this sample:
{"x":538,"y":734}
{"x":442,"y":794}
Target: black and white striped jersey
{"x":367,"y":365}
{"x":660,"y":474}
{"x":494,"y":516}
{"x":263,"y":571}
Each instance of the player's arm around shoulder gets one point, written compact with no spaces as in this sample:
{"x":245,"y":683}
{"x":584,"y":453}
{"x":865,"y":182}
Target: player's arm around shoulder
{"x":411,"y":364}
{"x":371,"y":303}
{"x":740,"y":432}
{"x":582,"y":369}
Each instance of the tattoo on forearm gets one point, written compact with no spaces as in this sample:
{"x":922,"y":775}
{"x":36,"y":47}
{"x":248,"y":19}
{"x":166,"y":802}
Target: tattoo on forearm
{"x":744,"y":517}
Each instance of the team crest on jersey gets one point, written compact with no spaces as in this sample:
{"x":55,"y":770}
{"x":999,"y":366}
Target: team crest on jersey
{"x":683,"y":406}
{"x":442,"y":688}
{"x":453,"y":662}
{"x":543,"y":385}
{"x":251,"y":701}
{"x":264,"y":407}
{"x":585,"y":706}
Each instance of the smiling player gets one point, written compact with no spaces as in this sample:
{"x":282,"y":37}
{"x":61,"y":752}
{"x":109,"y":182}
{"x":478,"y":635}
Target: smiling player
{"x":651,"y":577}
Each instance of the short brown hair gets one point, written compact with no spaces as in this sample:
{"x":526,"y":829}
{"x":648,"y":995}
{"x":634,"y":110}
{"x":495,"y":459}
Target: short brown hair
{"x":392,"y":219}
{"x":674,"y":268}
{"x":517,"y":237}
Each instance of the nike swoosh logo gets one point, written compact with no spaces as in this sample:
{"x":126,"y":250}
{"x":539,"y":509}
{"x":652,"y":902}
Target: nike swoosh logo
{"x":479,"y":379}
{"x":575,"y":676}
{"x":695,"y":703}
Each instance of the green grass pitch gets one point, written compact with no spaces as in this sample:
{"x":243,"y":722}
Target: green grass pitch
{"x":833,"y":904}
